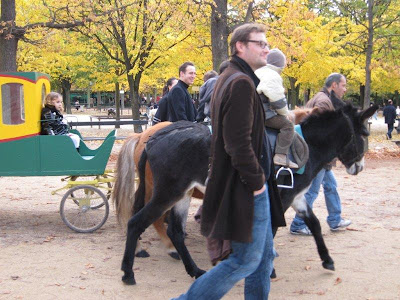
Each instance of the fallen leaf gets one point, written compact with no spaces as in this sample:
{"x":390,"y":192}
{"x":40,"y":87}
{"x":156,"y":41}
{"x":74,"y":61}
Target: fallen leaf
{"x":82,"y":288}
{"x":89,"y":266}
{"x":307,"y":268}
{"x":6,"y":293}
{"x":338,"y":280}
{"x":14,"y":277}
{"x":275,"y":279}
{"x":49,"y":239}
{"x":352,"y":229}
{"x":84,"y":273}
{"x":301,"y":292}
{"x":320,"y":293}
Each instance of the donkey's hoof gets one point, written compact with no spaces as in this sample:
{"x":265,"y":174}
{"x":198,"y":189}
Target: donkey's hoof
{"x":142,"y":253}
{"x":273,"y":274}
{"x":329,"y":266}
{"x":174,"y":255}
{"x":199,"y":273}
{"x":129,"y":279}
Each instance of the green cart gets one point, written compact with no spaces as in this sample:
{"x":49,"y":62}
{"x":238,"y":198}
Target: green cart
{"x":23,"y":152}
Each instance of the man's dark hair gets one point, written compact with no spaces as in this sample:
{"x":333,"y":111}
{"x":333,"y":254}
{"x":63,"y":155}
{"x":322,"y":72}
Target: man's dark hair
{"x":390,"y":101}
{"x":334,"y":77}
{"x":183,"y":67}
{"x":223,"y":66}
{"x":209,"y":74}
{"x":242,"y":33}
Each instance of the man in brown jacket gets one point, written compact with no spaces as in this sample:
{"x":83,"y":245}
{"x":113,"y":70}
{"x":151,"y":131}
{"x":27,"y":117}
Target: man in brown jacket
{"x":237,"y":200}
{"x":327,"y":99}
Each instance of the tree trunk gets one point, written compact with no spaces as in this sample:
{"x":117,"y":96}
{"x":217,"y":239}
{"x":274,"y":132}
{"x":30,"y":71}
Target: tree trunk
{"x":135,"y":101}
{"x":66,"y":92}
{"x":219,"y":32}
{"x":293,"y":93}
{"x":362,"y":95}
{"x":307,"y":93}
{"x":369,"y":55}
{"x":8,"y":42}
{"x":98,"y":96}
{"x":117,"y":104}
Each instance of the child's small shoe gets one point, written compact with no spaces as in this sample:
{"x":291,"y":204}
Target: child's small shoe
{"x":283,"y":160}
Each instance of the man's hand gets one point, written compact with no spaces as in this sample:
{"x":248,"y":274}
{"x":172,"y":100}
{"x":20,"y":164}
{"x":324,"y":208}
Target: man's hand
{"x":255,"y":193}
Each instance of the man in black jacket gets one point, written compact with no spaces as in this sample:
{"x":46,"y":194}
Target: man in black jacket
{"x":389,"y":112}
{"x":180,"y":104}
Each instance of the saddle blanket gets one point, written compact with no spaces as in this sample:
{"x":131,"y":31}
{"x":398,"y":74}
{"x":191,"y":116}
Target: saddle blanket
{"x":298,"y":151}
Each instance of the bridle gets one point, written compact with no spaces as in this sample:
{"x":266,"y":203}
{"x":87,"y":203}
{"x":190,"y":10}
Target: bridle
{"x":351,"y":146}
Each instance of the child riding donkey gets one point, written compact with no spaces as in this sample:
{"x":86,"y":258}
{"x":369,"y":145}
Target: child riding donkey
{"x":276,"y":111}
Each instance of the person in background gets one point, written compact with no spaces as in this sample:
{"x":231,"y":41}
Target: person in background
{"x":375,"y":115}
{"x":389,"y":112}
{"x":206,"y":90}
{"x":52,"y":121}
{"x":162,"y":111}
{"x":327,"y":99}
{"x":180,"y":104}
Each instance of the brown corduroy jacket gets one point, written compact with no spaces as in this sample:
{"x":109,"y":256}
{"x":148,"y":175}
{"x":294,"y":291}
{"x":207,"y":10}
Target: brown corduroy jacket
{"x":238,"y":126}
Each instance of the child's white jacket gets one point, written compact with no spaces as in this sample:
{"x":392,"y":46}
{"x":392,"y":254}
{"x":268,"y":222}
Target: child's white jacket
{"x":271,"y":85}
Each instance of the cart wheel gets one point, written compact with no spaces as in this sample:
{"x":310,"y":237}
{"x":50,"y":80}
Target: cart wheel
{"x":84,"y":208}
{"x":107,"y":192}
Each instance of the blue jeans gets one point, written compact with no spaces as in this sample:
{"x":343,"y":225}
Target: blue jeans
{"x":332,"y":199}
{"x":252,"y":261}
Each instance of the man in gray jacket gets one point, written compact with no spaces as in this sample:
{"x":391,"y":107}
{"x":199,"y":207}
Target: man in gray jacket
{"x":327,"y":99}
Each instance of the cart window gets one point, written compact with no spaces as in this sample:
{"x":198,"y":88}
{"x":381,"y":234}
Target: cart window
{"x":43,"y":93}
{"x":13,"y":111}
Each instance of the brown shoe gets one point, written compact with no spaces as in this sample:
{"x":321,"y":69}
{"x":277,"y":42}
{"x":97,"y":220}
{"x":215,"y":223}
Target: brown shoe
{"x":283,"y":160}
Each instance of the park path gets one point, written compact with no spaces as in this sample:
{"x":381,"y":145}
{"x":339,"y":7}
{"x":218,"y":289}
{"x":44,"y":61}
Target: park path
{"x":40,"y":258}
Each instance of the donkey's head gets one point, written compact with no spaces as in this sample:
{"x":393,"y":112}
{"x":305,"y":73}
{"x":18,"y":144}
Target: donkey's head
{"x":352,"y":154}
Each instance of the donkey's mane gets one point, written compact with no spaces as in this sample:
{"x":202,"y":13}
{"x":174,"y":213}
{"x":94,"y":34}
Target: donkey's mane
{"x":317,"y":116}
{"x":321,"y":124}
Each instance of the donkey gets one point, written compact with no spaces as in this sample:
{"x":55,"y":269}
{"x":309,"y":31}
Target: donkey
{"x":178,"y":158}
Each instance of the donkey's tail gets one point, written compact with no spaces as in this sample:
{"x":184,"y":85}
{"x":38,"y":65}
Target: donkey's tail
{"x":141,"y":190}
{"x":124,"y":187}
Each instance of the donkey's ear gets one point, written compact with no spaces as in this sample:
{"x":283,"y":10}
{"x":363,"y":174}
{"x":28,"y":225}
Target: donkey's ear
{"x":366,"y":114}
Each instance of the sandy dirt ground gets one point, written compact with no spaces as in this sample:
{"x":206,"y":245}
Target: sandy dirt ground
{"x":41,"y":258}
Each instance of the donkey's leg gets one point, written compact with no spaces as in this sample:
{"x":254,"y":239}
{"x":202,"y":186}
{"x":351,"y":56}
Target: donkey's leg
{"x":176,"y":233}
{"x":305,"y":212}
{"x":136,"y":226}
{"x":274,"y":231}
{"x":162,"y":232}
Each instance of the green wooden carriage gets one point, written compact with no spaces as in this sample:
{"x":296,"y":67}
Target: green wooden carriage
{"x":24,"y":152}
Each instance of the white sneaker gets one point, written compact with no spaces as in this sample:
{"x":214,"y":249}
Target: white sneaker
{"x":342,"y":224}
{"x":303,"y":231}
